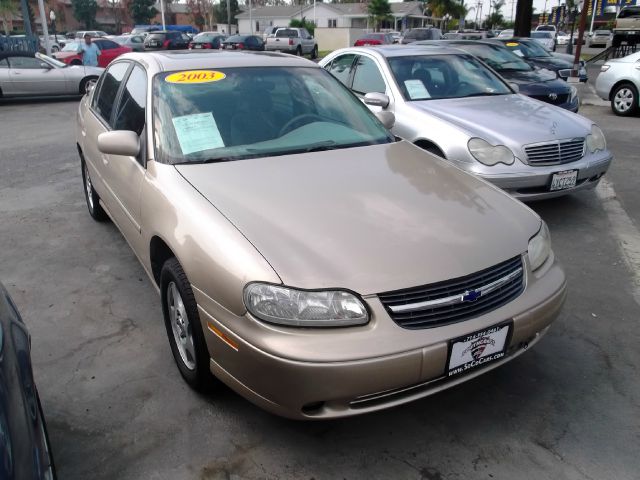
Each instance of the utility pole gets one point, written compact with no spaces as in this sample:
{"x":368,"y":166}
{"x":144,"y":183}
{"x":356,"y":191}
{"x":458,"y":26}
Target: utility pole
{"x":228,"y":17}
{"x":575,"y":72}
{"x":45,"y":30}
{"x":593,"y":15}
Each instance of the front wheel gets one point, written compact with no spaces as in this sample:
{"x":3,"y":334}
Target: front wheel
{"x":624,"y":101}
{"x":184,"y":330}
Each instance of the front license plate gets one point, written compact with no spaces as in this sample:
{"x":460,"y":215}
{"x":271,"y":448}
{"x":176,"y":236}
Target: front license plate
{"x":564,"y":180}
{"x":477,"y":349}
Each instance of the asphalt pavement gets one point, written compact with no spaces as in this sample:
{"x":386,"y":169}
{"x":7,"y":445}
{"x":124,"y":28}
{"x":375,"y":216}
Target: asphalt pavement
{"x":118,"y":409}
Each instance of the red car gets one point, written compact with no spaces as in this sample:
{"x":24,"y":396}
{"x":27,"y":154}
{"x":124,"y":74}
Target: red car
{"x":374,"y":39}
{"x":108,"y":51}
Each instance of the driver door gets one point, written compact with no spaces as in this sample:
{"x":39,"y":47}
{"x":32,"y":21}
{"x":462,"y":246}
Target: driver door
{"x":32,"y":76}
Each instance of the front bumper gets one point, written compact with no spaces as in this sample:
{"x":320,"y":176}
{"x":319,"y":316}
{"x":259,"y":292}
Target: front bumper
{"x":528,"y":183}
{"x":303,"y":373}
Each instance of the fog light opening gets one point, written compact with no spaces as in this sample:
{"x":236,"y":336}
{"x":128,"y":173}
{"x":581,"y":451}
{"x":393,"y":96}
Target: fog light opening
{"x":313,"y":408}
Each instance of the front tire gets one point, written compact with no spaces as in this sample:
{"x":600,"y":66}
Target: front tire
{"x":184,"y":329}
{"x":624,"y":100}
{"x":92,"y":198}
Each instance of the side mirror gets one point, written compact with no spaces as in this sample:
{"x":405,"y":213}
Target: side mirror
{"x":119,"y":142}
{"x":387,"y":119}
{"x":45,"y":65}
{"x":515,"y":87}
{"x":376,"y":99}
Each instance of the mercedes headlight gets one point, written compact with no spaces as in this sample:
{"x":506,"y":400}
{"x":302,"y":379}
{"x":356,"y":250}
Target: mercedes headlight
{"x":539,"y":248}
{"x":596,"y":140}
{"x":574,"y":93}
{"x":489,"y":154}
{"x":304,"y":308}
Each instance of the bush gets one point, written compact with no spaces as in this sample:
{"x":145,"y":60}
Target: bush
{"x":297,"y":23}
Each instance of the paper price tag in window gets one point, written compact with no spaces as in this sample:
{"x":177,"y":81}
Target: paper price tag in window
{"x":416,"y":89}
{"x":197,"y":132}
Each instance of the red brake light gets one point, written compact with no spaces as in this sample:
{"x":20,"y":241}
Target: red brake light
{"x":208,"y":45}
{"x":165,"y":44}
{"x":291,"y":41}
{"x":190,"y":45}
{"x":240,"y":45}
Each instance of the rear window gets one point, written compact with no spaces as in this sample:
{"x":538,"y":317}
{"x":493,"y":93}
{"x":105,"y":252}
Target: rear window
{"x":629,"y":12}
{"x":235,"y":38}
{"x":286,"y":33}
{"x":156,"y":36}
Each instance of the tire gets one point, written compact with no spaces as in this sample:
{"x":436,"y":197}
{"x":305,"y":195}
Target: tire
{"x":76,"y":62}
{"x":299,"y":51}
{"x":84,"y":83}
{"x":55,"y":49}
{"x":624,"y":100}
{"x":92,"y":198}
{"x":314,"y":53}
{"x":184,"y":329}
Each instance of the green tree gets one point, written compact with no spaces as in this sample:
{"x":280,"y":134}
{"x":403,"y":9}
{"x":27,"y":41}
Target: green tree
{"x":85,"y":11}
{"x":142,"y":11}
{"x":496,"y":18}
{"x":304,"y":23}
{"x":379,"y":11}
{"x":7,"y":9}
{"x":221,"y":12}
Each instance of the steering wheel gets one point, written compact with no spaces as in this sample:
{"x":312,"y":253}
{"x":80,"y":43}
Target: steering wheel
{"x":299,"y":119}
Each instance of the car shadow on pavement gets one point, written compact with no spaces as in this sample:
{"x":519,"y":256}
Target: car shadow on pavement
{"x":38,"y":100}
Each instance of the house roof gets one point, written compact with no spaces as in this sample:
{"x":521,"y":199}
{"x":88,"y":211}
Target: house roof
{"x":398,"y":9}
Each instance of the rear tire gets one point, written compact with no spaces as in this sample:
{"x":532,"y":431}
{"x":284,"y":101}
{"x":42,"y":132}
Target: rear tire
{"x":92,"y":198}
{"x":84,"y":83}
{"x":299,"y":51}
{"x":76,"y":62}
{"x":624,"y":100}
{"x":314,"y":53}
{"x":183,"y":326}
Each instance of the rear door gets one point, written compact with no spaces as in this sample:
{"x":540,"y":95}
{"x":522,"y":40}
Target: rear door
{"x":32,"y":76}
{"x":109,"y":51}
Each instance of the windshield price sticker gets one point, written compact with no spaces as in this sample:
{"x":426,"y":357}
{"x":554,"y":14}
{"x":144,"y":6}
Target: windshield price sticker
{"x":195,"y":76}
{"x":512,"y":44}
{"x":416,"y":89}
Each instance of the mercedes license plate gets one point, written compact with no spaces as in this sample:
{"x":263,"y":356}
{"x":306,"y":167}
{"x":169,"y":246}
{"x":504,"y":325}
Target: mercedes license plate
{"x":564,"y":180}
{"x":478,"y":349}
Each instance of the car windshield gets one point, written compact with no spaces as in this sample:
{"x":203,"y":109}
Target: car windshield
{"x":51,"y":61}
{"x":431,"y":77}
{"x":286,"y":33}
{"x":71,"y":47}
{"x":541,"y":34}
{"x":235,"y":39}
{"x":602,"y":33}
{"x":236,"y":113}
{"x":506,"y":34}
{"x":527,"y":49}
{"x":205,"y":37}
{"x":629,"y":12}
{"x":497,"y":57}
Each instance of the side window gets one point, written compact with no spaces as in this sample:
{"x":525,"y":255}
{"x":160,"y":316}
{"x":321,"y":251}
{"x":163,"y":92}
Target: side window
{"x":341,"y":68}
{"x":4,"y":63}
{"x":130,"y":114}
{"x":25,"y":62}
{"x":110,"y":84}
{"x":367,"y":78}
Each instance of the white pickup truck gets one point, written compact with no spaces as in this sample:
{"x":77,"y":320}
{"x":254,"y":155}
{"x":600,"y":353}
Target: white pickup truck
{"x":293,"y":40}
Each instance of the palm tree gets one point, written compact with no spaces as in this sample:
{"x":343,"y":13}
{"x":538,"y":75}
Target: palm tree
{"x":379,"y":11}
{"x":496,"y":18}
{"x":7,"y":9}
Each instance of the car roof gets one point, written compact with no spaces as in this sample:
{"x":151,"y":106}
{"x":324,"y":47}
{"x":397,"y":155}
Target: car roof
{"x":407,"y":50}
{"x":165,"y":61}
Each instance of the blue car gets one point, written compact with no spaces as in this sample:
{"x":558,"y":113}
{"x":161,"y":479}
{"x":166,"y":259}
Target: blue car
{"x":24,"y":443}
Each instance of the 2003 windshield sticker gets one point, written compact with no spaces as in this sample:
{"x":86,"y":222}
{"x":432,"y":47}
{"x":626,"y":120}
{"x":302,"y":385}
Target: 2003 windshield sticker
{"x":195,"y":76}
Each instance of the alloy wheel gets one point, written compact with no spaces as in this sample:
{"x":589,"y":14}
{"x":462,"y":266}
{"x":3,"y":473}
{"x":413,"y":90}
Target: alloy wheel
{"x":181,"y":327}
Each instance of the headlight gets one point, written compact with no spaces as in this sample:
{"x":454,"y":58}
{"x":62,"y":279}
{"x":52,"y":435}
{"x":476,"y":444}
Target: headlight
{"x":539,"y":248}
{"x":303,"y":308}
{"x":596,"y":140}
{"x":574,"y":92}
{"x":489,"y":154}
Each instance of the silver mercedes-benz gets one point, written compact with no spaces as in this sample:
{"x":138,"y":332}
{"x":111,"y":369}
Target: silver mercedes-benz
{"x":453,"y":105}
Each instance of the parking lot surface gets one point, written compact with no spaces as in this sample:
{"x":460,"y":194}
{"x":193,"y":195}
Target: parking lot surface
{"x":118,"y":408}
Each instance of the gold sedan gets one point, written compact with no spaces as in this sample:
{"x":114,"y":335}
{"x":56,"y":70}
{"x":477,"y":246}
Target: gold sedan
{"x":305,"y":257}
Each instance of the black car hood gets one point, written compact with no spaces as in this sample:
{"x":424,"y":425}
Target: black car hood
{"x":550,"y":63}
{"x":536,"y":82}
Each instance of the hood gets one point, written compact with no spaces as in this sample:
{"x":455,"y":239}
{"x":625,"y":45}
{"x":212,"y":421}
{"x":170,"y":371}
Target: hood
{"x":539,"y":78}
{"x":511,"y":120}
{"x":551,"y":63}
{"x":370,"y":219}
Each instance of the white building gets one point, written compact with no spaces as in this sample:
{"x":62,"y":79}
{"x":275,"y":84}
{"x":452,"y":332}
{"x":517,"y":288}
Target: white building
{"x":331,"y":15}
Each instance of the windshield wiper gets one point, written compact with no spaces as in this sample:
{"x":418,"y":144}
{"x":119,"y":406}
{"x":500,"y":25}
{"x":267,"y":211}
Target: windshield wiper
{"x":207,"y":160}
{"x":314,"y":147}
{"x":484,"y":94}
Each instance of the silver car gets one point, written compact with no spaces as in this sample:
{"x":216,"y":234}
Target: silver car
{"x":619,"y":82}
{"x":453,"y":105}
{"x":29,"y":74}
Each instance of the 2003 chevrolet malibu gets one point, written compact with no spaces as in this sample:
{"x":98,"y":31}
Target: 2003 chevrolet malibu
{"x":304,"y":256}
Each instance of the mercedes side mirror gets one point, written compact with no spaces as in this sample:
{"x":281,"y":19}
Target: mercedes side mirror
{"x":376,"y":99}
{"x":387,"y":119}
{"x":515,"y":87}
{"x":119,"y":142}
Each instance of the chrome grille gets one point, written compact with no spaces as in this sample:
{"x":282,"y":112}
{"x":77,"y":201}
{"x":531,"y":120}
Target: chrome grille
{"x":555,"y":153}
{"x":452,"y":301}
{"x":553,"y":98}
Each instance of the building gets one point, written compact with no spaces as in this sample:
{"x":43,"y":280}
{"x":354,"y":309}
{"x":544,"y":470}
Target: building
{"x":331,"y":15}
